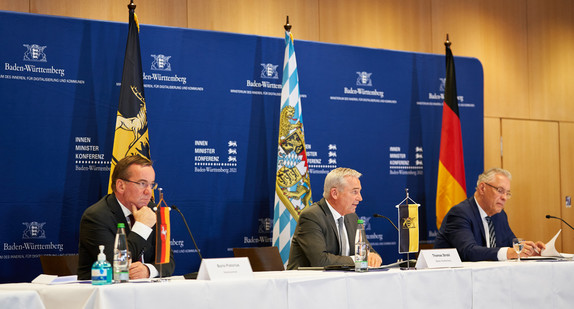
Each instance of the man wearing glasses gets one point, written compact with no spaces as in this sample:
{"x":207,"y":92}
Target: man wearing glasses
{"x":478,"y":227}
{"x":133,"y":182}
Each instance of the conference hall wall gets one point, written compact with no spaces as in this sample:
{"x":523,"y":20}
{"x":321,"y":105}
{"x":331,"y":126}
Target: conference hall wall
{"x":213,"y":117}
{"x":524,"y":46}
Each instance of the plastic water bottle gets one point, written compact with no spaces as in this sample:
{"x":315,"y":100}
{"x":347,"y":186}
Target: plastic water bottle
{"x":121,"y":259}
{"x":101,"y":269}
{"x":361,"y":249}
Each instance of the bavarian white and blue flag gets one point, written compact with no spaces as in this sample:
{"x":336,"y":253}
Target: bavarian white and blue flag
{"x":293,"y":186}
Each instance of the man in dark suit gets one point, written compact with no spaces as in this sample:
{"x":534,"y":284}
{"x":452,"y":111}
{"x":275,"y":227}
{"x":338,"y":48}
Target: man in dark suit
{"x":316,"y":238}
{"x":466,"y":227}
{"x":133,"y":181}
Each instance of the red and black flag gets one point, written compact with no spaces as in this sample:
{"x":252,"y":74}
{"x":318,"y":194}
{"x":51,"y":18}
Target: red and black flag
{"x":451,"y":184}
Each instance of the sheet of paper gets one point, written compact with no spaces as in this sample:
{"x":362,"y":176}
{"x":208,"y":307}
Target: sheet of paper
{"x":551,"y":247}
{"x":52,"y":279}
{"x":551,"y":250}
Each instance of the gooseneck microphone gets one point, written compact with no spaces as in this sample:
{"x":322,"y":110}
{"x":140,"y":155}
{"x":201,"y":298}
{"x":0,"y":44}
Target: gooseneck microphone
{"x":182,"y":216}
{"x":552,"y":217}
{"x":188,"y":230}
{"x":381,"y":216}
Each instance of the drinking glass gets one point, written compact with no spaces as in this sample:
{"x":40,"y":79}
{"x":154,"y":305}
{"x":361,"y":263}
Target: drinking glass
{"x":518,"y":245}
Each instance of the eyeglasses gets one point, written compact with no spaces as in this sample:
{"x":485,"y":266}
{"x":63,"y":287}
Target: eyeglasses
{"x":143,"y":184}
{"x":500,"y":190}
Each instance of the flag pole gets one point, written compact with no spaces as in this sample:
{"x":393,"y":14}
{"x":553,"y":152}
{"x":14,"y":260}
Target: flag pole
{"x":287,"y":26}
{"x":407,"y":205}
{"x":407,"y":223}
{"x":447,"y":42}
{"x":132,"y":6}
{"x":292,"y":182}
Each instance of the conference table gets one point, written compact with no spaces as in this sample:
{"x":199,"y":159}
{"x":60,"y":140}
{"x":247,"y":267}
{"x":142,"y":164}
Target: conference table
{"x":511,"y":284}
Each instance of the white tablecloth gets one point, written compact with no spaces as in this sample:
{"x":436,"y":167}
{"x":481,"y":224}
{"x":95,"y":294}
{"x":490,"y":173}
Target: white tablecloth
{"x":20,"y":299}
{"x":528,"y":284}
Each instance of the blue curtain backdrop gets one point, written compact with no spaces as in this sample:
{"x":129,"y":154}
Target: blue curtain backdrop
{"x":213,"y":114}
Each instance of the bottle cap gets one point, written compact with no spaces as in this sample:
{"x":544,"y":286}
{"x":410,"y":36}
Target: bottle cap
{"x":360,"y":221}
{"x":121,"y":226}
{"x":102,"y":255}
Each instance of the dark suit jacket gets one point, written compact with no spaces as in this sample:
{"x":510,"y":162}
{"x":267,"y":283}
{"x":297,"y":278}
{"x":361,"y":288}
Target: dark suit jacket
{"x":98,"y":226}
{"x":462,"y":229}
{"x":315,"y":241}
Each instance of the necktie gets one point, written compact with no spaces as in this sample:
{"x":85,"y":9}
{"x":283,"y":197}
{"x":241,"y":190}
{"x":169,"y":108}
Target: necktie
{"x":341,"y":221}
{"x":132,"y":220}
{"x":491,"y":232}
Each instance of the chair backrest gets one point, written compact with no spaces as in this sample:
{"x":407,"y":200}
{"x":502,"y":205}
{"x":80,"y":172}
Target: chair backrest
{"x":61,"y":265}
{"x":261,"y":258}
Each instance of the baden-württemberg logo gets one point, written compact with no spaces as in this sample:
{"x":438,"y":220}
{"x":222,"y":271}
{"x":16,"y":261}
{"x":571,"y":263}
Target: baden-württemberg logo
{"x":269,"y":70}
{"x":364,"y":79}
{"x":442,"y":84}
{"x":161,"y":63}
{"x":35,"y":52}
{"x":34,"y":230}
{"x":265,"y":225}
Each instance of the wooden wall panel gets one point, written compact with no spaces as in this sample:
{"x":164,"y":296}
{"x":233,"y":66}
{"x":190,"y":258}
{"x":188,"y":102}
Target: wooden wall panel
{"x":550,"y":46}
{"x":389,"y":24}
{"x":566,"y":184}
{"x":15,"y":6}
{"x":259,"y":17}
{"x":151,"y":12}
{"x":494,"y":32}
{"x":492,"y":157}
{"x":531,"y":154}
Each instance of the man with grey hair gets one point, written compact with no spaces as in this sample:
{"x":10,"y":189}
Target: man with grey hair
{"x":478,"y":227}
{"x":316,"y":241}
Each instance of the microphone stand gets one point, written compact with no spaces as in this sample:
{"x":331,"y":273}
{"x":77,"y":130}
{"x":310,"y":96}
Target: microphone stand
{"x":188,"y":230}
{"x":381,"y":216}
{"x":552,"y":217}
{"x":408,"y":261}
{"x":190,"y":275}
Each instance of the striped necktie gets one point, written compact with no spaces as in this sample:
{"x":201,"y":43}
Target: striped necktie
{"x":343,"y":246}
{"x":491,"y":232}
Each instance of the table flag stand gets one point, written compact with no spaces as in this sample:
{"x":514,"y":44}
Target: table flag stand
{"x":408,"y":223}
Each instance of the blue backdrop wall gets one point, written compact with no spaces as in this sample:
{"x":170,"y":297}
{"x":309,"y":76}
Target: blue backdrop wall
{"x":213,"y":110}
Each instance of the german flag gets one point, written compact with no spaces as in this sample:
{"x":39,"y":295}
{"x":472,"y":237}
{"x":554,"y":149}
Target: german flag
{"x":162,"y":234}
{"x":451,"y":184}
{"x":131,"y":130}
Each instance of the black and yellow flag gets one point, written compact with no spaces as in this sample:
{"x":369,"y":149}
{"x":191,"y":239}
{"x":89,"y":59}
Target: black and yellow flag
{"x":131,"y":133}
{"x":408,"y":228}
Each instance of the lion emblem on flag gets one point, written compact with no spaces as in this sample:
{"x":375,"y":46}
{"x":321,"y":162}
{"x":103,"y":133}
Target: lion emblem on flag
{"x":293,"y":183}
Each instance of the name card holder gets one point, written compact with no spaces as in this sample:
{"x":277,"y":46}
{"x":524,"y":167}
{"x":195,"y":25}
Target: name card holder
{"x":438,"y":258}
{"x":225,"y":269}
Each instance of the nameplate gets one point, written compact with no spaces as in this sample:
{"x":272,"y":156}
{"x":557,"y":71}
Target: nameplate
{"x":225,"y":269}
{"x":438,"y":258}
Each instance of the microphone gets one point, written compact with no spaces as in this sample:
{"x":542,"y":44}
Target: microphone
{"x":549,"y":216}
{"x":192,"y":275}
{"x":182,"y":216}
{"x":188,"y":230}
{"x":381,"y":216}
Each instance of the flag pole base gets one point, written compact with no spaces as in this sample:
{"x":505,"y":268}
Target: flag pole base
{"x":408,"y":267}
{"x":160,"y":279}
